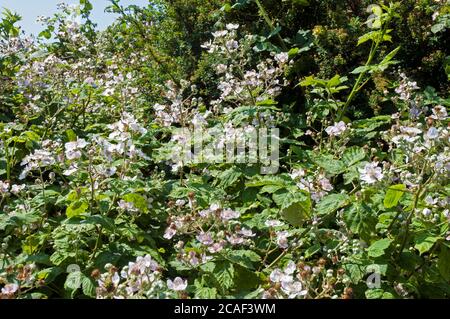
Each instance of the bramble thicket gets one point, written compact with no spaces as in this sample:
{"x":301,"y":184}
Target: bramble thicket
{"x":94,"y":204}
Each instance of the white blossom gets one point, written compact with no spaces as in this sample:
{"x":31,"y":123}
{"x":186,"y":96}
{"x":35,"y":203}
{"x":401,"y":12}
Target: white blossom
{"x":10,"y":289}
{"x":228,"y":214}
{"x":282,"y":58}
{"x":178,"y":284}
{"x":216,"y":247}
{"x":371,"y":173}
{"x":235,"y":239}
{"x":73,"y":149}
{"x":4,"y":187}
{"x":231,"y":26}
{"x":293,"y":289}
{"x":247,"y":232}
{"x":337,"y":129}
{"x":282,"y":239}
{"x":426,"y":212}
{"x":170,"y":232}
{"x":439,"y":113}
{"x":273,"y":223}
{"x":205,"y":238}
{"x":297,"y":173}
{"x":16,"y":189}
{"x":432,"y":133}
{"x":276,"y":275}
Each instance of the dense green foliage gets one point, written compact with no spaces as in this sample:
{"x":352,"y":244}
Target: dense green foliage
{"x":92,"y":203}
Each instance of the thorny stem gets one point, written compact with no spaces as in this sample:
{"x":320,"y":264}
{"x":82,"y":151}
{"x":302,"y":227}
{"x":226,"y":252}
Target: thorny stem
{"x":269,"y":251}
{"x":277,"y":259}
{"x":413,"y":209}
{"x":266,"y":17}
{"x":94,"y":251}
{"x":91,"y":177}
{"x":8,"y":165}
{"x":357,"y":87}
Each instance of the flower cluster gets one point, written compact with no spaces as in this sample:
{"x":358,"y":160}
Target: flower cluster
{"x":139,"y":278}
{"x":238,"y":84}
{"x":107,"y":154}
{"x":41,"y":158}
{"x":14,"y":45}
{"x":24,"y":278}
{"x":371,"y":173}
{"x":289,"y":283}
{"x":336,"y":129}
{"x":318,"y":185}
{"x":224,"y":230}
{"x":142,"y":278}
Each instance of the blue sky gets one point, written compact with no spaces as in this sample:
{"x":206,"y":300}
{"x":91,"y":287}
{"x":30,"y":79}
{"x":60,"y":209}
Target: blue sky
{"x":31,"y":9}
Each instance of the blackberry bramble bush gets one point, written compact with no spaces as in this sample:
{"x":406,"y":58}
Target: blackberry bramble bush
{"x":211,"y":156}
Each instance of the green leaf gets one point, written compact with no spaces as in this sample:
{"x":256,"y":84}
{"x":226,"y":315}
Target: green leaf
{"x":40,"y":258}
{"x":76,"y":209}
{"x":45,"y":33}
{"x":377,"y":248}
{"x":361,"y":219}
{"x":88,"y":287}
{"x":73,"y":196}
{"x":31,"y":136}
{"x":362,"y":69}
{"x":137,"y":200}
{"x":274,"y":32}
{"x":353,"y":155}
{"x":277,"y":180}
{"x":229,"y":177}
{"x":293,"y":52}
{"x":301,"y":2}
{"x":447,"y":66}
{"x":311,"y":80}
{"x":334,"y":81}
{"x":226,"y":8}
{"x":58,"y":257}
{"x":297,"y":213}
{"x":438,"y":27}
{"x":314,"y":249}
{"x":393,"y":195}
{"x":295,"y":207}
{"x":424,"y":242}
{"x":18,"y":219}
{"x":409,"y":260}
{"x":246,"y":279}
{"x":330,"y":164}
{"x":205,"y":293}
{"x":390,"y":56}
{"x":49,"y":196}
{"x":267,"y":102}
{"x":31,"y":244}
{"x":224,"y":274}
{"x":374,"y":36}
{"x":49,"y":274}
{"x":270,"y":189}
{"x":444,"y":262}
{"x":356,"y":272}
{"x":351,"y":175}
{"x":368,"y":36}
{"x":73,"y":280}
{"x":104,"y":221}
{"x":71,"y":136}
{"x":245,"y":258}
{"x":378,"y":294}
{"x":332,"y":203}
{"x":266,"y":46}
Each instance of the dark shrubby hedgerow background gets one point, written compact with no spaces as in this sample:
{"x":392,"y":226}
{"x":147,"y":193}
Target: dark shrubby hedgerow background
{"x":90,"y":205}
